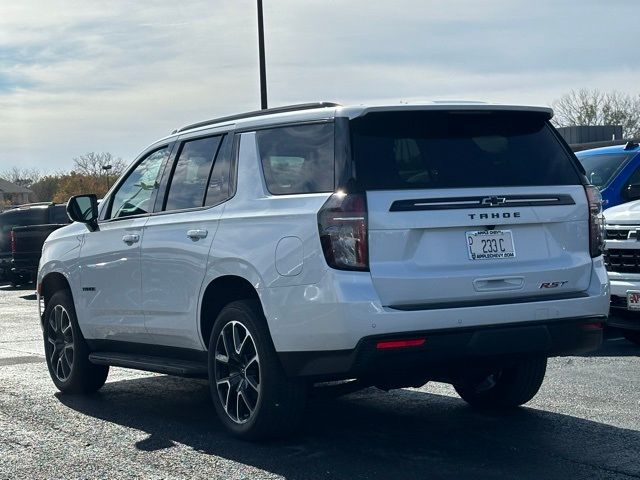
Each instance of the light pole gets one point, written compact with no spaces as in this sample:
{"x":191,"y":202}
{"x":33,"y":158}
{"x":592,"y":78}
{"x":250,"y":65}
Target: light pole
{"x":263,"y":68}
{"x":106,"y":169}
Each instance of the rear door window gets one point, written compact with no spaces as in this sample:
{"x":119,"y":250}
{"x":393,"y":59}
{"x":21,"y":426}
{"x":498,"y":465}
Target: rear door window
{"x":191,"y":173}
{"x":297,"y":159}
{"x":220,"y":188}
{"x":416,"y":150}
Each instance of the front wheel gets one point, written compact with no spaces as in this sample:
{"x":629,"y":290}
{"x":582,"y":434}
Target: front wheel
{"x":66,"y":350}
{"x":504,"y":387}
{"x":252,"y":396}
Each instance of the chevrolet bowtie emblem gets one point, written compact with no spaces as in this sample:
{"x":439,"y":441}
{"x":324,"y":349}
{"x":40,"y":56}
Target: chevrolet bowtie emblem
{"x":493,"y":201}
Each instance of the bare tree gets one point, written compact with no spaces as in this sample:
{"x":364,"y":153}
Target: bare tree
{"x":25,"y":177}
{"x":92,"y":164}
{"x":593,"y":107}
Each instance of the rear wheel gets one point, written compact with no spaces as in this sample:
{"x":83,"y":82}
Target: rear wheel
{"x":632,"y":336}
{"x":505,"y":387}
{"x":252,"y":396}
{"x":66,"y":350}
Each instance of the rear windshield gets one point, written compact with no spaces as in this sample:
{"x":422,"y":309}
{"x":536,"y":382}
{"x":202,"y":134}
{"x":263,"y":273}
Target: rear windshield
{"x":602,"y":168}
{"x":410,"y":150}
{"x":59,"y":214}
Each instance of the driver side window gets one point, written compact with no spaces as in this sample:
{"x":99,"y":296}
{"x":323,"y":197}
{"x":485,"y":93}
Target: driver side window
{"x":136,"y":192}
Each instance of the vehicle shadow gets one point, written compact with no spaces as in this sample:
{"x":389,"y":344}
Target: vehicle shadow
{"x":376,"y":435}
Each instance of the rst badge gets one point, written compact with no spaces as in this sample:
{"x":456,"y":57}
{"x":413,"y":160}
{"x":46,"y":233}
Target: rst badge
{"x":553,"y":284}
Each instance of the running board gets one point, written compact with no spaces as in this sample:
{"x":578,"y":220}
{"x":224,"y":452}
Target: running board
{"x":169,"y":366}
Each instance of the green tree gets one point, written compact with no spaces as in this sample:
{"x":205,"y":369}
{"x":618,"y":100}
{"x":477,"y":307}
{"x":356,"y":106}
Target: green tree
{"x":45,"y":189}
{"x":75,"y":183}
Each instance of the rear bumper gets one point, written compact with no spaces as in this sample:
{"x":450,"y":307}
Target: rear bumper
{"x":343,"y":308}
{"x":448,"y":351}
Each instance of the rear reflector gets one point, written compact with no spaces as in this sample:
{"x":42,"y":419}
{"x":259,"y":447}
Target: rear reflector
{"x":414,"y":342}
{"x":592,"y":326}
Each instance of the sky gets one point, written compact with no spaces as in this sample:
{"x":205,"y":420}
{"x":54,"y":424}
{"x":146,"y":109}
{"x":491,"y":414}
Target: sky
{"x":91,"y":76}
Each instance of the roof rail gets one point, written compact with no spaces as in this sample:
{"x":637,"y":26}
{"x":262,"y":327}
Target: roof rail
{"x":258,"y":113}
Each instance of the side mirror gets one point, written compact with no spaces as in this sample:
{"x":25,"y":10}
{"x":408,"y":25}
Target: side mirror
{"x":84,"y":209}
{"x":632,"y":192}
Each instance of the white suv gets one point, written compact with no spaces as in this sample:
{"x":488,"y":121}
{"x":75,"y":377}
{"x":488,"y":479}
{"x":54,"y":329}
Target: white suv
{"x":273,"y":250}
{"x":622,"y":261}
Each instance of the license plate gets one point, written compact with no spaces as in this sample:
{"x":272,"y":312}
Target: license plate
{"x":633,"y":299}
{"x":490,"y":244}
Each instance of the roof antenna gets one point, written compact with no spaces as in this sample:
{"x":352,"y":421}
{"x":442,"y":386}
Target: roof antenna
{"x":630,"y":145}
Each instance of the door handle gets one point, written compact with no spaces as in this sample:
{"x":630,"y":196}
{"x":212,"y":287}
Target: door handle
{"x":131,"y":238}
{"x":196,"y":234}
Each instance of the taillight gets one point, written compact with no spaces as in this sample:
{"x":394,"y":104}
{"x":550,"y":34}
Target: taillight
{"x":342,"y":224}
{"x":596,"y":221}
{"x":12,"y":237}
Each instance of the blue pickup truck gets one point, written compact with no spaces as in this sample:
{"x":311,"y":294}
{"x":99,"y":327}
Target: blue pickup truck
{"x":615,"y":171}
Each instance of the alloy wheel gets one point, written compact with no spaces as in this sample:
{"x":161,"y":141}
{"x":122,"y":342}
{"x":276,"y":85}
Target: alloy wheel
{"x":237,"y":372}
{"x":60,"y":342}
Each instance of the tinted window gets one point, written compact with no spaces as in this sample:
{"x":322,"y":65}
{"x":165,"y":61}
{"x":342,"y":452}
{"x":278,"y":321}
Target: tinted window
{"x":297,"y":159}
{"x":133,"y":197}
{"x":191,"y":173}
{"x":408,"y":150}
{"x":59,"y":214}
{"x":219,"y":188}
{"x":600,"y":169}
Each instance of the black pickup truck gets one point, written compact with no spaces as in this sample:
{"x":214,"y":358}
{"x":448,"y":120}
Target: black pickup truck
{"x":23,"y":231}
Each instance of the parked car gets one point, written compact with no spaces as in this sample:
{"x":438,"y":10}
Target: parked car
{"x":622,"y":260}
{"x":615,"y":171}
{"x":392,"y":245}
{"x":24,"y":215}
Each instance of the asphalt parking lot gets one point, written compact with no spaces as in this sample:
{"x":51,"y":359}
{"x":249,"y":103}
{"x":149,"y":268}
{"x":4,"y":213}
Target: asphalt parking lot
{"x":584,"y":423}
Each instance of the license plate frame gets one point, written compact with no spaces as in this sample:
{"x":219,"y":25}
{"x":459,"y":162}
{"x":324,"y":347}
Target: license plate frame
{"x":499,"y":247}
{"x":633,"y":300}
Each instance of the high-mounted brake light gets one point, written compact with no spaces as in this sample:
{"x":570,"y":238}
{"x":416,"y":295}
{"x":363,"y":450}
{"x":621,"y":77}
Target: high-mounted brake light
{"x":342,"y":224}
{"x":596,"y":221}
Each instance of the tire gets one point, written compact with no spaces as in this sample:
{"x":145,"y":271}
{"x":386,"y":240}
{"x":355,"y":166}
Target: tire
{"x":66,"y":351}
{"x":632,"y":335}
{"x":253,"y":397}
{"x":504,"y":388}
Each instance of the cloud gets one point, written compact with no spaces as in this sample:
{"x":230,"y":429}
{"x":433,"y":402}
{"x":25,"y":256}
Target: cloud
{"x":79,"y":76}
